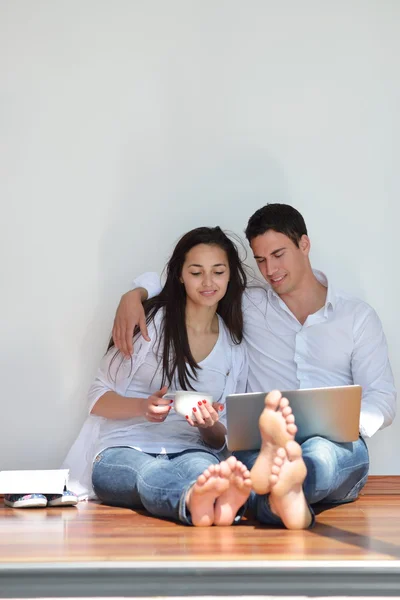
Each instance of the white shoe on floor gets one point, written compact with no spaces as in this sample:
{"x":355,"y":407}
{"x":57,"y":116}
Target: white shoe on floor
{"x":67,"y":498}
{"x":25,"y":500}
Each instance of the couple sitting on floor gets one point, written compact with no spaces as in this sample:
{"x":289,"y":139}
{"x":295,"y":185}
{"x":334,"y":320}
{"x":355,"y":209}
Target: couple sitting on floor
{"x":205,"y":330}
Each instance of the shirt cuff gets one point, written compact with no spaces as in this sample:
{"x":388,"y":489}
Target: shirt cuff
{"x":150,"y":282}
{"x":371,"y":420}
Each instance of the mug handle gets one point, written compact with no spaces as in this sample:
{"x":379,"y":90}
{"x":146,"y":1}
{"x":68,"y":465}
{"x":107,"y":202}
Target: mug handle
{"x":169,"y":396}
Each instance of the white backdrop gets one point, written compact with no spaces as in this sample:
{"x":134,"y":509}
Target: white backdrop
{"x":125,"y":123}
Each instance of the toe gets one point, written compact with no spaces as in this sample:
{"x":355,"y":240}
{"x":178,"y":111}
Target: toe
{"x":232,"y":462}
{"x":287,"y":411}
{"x":240,"y":466}
{"x":225,"y":470}
{"x":281,"y":453}
{"x":284,"y":403}
{"x":272,"y":399}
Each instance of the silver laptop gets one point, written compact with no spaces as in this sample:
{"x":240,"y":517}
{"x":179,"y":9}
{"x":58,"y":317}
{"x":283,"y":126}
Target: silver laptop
{"x":330,"y":412}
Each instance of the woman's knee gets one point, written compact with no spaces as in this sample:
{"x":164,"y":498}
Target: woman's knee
{"x":189,"y":465}
{"x":114,"y":479}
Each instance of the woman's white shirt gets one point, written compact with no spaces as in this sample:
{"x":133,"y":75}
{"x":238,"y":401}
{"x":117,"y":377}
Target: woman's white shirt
{"x":174,"y":434}
{"x":223,"y":372}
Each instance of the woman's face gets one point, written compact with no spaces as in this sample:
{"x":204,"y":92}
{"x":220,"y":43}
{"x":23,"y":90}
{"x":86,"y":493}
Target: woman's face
{"x":205,"y":274}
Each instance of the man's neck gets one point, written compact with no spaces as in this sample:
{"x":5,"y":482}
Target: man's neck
{"x":306,"y":299}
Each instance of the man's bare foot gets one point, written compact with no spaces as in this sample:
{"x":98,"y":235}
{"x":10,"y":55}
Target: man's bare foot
{"x":277,"y":427}
{"x":287,"y":498}
{"x":229,"y":502}
{"x":201,"y":497}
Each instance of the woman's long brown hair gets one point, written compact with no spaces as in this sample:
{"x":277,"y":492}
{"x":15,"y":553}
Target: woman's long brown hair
{"x":173,"y":338}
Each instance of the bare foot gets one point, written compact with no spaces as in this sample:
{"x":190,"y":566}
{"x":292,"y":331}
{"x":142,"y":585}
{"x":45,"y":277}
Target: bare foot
{"x":202,"y":495}
{"x":277,"y":427}
{"x":229,"y":502}
{"x":287,"y":498}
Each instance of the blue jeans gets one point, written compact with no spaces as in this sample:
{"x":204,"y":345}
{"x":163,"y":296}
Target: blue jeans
{"x":335,"y":474}
{"x":126,"y":477}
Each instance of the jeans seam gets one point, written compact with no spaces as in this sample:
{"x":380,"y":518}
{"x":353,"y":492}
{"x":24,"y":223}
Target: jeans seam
{"x":357,"y":486}
{"x":353,"y":467}
{"x":151,"y":487}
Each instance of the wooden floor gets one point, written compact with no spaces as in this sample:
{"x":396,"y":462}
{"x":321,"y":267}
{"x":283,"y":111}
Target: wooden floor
{"x":366,"y":530}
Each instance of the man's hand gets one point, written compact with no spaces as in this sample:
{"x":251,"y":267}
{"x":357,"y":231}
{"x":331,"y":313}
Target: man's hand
{"x":156,"y":407}
{"x":130,"y":313}
{"x":205,"y":414}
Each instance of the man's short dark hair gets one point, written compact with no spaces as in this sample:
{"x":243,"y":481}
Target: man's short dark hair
{"x":278,"y":217}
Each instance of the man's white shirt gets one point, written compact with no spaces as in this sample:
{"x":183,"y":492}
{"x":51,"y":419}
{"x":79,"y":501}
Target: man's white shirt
{"x":341,"y":344}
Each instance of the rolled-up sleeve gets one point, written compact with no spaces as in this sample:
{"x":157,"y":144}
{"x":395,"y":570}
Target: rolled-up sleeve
{"x":371,"y":369}
{"x":113,"y":375}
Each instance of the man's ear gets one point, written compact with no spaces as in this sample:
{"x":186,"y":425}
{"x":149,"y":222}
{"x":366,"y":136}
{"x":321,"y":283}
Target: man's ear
{"x":305,"y":244}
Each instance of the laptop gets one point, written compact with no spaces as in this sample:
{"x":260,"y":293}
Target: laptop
{"x":329,"y":412}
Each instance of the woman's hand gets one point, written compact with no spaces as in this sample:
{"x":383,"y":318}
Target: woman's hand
{"x":205,"y":415}
{"x":156,"y":407}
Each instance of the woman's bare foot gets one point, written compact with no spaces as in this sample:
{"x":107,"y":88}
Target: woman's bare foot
{"x":287,"y":498}
{"x":277,"y":427}
{"x":201,"y":497}
{"x":229,"y":502}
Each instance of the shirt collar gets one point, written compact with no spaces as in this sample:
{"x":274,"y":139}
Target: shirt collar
{"x":330,"y":291}
{"x":322,"y":278}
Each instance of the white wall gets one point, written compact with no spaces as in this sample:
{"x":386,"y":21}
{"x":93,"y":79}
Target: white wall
{"x":125,"y":123}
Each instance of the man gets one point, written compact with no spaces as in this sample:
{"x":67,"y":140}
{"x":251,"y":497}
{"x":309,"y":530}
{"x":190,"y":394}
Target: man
{"x":301,"y":332}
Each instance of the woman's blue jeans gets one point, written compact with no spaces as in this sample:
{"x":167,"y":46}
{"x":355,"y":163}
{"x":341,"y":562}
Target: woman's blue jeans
{"x":126,"y":477}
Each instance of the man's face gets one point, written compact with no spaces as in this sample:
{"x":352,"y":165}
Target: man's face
{"x":280,"y":261}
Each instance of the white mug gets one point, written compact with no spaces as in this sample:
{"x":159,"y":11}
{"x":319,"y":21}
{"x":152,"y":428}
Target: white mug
{"x":184,"y":401}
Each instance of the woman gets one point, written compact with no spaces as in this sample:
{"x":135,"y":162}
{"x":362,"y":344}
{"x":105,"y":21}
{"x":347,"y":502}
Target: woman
{"x":145,"y":454}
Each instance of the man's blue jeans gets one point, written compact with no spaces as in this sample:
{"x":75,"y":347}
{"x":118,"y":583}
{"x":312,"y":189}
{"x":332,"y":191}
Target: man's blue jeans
{"x":335,"y":474}
{"x":126,"y":477}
